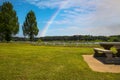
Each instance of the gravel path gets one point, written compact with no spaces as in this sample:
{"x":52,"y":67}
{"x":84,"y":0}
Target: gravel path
{"x":98,"y":66}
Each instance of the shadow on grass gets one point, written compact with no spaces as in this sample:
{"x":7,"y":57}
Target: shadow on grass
{"x":104,"y":60}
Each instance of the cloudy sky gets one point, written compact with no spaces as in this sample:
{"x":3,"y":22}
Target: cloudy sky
{"x":71,"y":17}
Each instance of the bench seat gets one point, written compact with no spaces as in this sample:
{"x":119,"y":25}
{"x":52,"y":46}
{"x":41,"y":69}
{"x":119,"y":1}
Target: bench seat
{"x":102,"y":52}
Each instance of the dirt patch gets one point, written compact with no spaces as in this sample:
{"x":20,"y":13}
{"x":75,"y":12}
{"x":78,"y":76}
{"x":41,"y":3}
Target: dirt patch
{"x":98,"y":66}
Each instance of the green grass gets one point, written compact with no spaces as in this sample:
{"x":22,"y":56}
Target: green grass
{"x":28,"y":62}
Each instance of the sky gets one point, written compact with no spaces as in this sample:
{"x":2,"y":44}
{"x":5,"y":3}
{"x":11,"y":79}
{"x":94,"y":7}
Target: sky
{"x":71,"y":17}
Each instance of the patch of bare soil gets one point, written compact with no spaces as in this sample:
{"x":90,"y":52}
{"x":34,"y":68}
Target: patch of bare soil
{"x":98,"y":66}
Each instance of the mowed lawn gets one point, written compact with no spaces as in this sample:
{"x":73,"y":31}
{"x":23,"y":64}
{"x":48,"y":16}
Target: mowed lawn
{"x":20,"y":61}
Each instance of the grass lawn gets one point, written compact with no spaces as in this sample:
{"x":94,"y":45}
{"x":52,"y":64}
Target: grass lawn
{"x":28,"y":62}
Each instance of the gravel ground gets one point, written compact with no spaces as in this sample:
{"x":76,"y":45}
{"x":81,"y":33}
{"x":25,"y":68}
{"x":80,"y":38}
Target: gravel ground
{"x":98,"y":66}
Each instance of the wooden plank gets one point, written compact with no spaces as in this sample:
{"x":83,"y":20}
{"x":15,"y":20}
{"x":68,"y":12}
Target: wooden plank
{"x":102,"y":50}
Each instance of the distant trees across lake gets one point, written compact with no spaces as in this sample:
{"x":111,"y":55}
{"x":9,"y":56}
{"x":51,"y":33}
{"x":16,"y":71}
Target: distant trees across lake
{"x":82,"y":38}
{"x":79,"y":38}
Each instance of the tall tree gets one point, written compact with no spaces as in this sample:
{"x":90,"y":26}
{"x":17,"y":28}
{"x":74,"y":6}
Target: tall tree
{"x":0,"y":24}
{"x":9,"y":21}
{"x":29,"y":27}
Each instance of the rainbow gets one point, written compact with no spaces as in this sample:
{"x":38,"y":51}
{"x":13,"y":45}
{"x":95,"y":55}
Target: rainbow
{"x":43,"y":33}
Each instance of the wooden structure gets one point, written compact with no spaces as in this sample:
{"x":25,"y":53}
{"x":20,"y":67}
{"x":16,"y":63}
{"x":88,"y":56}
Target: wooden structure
{"x":108,"y":55}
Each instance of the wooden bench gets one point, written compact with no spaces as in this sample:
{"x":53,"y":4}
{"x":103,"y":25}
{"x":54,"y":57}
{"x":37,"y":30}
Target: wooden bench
{"x":103,"y":53}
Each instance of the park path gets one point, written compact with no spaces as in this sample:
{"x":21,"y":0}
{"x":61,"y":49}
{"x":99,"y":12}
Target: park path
{"x":98,"y":66}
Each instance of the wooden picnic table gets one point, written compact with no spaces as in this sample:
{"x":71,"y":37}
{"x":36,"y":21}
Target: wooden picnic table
{"x":108,"y":45}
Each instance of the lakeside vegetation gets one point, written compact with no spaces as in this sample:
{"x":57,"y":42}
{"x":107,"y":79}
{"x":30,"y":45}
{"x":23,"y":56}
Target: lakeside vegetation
{"x":24,"y":61}
{"x":74,"y":38}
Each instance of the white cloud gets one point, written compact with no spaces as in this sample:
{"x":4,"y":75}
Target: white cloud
{"x":101,"y":16}
{"x":106,"y":18}
{"x":71,"y":30}
{"x":72,"y":9}
{"x":46,"y":3}
{"x":59,"y":3}
{"x":107,"y":11}
{"x":108,"y":30}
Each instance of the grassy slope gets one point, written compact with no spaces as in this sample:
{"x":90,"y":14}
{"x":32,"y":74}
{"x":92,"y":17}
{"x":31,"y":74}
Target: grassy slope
{"x":27,"y":62}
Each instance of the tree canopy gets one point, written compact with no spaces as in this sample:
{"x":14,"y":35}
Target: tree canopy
{"x":29,"y":27}
{"x":9,"y":24}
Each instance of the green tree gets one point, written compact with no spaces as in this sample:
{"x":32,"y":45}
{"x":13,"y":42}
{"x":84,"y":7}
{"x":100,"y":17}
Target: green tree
{"x":9,"y":21}
{"x":0,"y":24}
{"x":29,"y":27}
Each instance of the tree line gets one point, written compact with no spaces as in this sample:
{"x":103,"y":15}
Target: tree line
{"x":9,"y":25}
{"x":78,"y":38}
{"x":83,"y":38}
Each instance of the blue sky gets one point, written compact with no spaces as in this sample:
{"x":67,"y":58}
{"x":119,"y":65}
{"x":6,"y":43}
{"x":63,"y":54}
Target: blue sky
{"x":71,"y":17}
